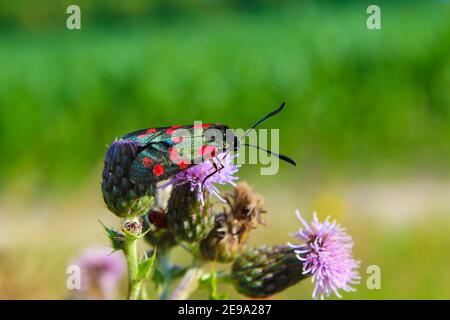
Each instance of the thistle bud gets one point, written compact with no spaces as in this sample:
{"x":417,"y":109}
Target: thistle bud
{"x":187,"y":218}
{"x":121,"y":195}
{"x":266,"y":270}
{"x":246,"y":209}
{"x":132,"y":226}
{"x":159,"y":235}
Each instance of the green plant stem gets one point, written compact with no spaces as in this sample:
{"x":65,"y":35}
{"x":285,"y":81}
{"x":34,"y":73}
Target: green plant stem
{"x":134,"y":286}
{"x":188,"y":284}
{"x":144,"y":294}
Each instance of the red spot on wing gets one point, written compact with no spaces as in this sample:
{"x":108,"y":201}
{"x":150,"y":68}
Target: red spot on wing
{"x":146,"y":133}
{"x":173,"y":154}
{"x":176,"y":139}
{"x":172,"y":129}
{"x":147,"y":162}
{"x":201,"y":125}
{"x":183,"y":164}
{"x":158,"y":170}
{"x":208,"y":151}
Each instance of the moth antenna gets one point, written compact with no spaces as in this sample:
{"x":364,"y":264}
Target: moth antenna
{"x":270,"y":115}
{"x":279,"y":156}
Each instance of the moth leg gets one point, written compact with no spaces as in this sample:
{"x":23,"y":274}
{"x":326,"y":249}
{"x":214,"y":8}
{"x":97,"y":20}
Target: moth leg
{"x":216,"y":165}
{"x":219,"y":165}
{"x":217,"y":168}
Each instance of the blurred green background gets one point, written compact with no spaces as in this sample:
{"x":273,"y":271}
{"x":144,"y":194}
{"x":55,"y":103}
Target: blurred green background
{"x":367,"y":119}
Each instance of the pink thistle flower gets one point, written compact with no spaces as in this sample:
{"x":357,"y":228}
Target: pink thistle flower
{"x":101,"y":271}
{"x":326,"y":255}
{"x":196,"y":175}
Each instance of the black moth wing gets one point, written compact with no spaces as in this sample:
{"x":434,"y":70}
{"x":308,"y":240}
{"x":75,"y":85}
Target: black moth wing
{"x":153,"y":164}
{"x":167,"y":153}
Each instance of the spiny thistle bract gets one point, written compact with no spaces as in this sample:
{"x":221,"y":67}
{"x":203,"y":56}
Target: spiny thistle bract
{"x":266,"y":270}
{"x":121,"y":195}
{"x":187,"y":218}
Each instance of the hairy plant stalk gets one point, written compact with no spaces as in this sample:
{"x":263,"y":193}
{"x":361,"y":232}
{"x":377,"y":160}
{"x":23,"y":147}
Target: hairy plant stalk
{"x":134,"y":286}
{"x":188,"y":284}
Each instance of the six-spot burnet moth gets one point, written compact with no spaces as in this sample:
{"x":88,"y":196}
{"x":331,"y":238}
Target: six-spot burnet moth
{"x":165,"y":151}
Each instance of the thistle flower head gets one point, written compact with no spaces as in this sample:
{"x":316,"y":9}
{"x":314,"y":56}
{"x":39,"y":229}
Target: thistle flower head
{"x":101,"y":272}
{"x":246,"y":206}
{"x":122,"y":196}
{"x":195,"y":177}
{"x":232,"y":228}
{"x":326,"y":255}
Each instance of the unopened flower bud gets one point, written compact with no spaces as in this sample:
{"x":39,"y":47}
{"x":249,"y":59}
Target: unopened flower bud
{"x":266,"y":270}
{"x":122,"y":196}
{"x":187,"y":218}
{"x":133,"y":226}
